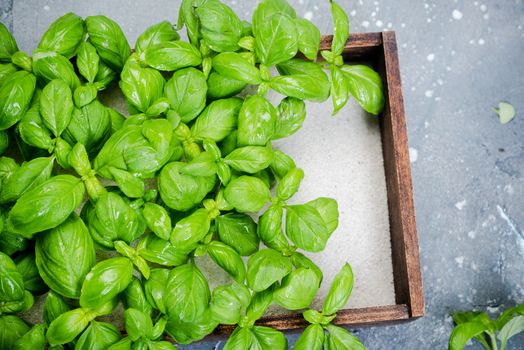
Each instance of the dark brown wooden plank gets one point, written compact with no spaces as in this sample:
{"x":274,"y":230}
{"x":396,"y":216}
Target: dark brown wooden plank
{"x":359,"y":45}
{"x":360,"y":317}
{"x":404,"y":241}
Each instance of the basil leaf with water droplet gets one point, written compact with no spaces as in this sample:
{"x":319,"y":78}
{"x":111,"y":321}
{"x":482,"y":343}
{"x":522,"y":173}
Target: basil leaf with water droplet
{"x":172,"y":56}
{"x":220,"y":27}
{"x":256,"y":122}
{"x":157,"y":34}
{"x":56,"y":106}
{"x":239,"y":232}
{"x":266,"y":267}
{"x":186,"y":93}
{"x":15,"y":96}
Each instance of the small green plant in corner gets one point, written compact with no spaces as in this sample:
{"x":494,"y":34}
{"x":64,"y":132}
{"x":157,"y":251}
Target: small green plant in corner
{"x":488,"y":332}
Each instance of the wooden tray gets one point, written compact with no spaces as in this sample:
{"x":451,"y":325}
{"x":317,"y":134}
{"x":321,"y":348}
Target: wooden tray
{"x":380,"y":50}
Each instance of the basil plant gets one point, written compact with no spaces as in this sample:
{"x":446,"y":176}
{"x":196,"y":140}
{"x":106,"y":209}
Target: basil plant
{"x":109,"y":219}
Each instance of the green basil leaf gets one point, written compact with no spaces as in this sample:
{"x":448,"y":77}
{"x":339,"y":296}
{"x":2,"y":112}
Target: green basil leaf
{"x":308,"y":38}
{"x":110,"y":219}
{"x":87,"y":61}
{"x":250,"y":159}
{"x":276,"y":39}
{"x":340,"y":29}
{"x":297,"y":289}
{"x":260,"y":301}
{"x":15,"y":96}
{"x":282,"y":163}
{"x":160,"y":251}
{"x":49,"y":65}
{"x":66,"y":327}
{"x":366,"y":87}
{"x":305,"y":68}
{"x":300,"y":86}
{"x":106,"y":280}
{"x":123,"y":344}
{"x":98,"y":336}
{"x":56,"y":106}
{"x":155,"y":287}
{"x":186,"y":93}
{"x":268,"y":8}
{"x":158,"y":220}
{"x":229,"y":303}
{"x":289,"y":184}
{"x":240,"y":339}
{"x":20,"y":305}
{"x":270,"y":228}
{"x":46,"y":206}
{"x":33,"y":339}
{"x":172,"y":56}
{"x":105,"y":76}
{"x":64,"y":256}
{"x":12,"y":328}
{"x":182,"y":192}
{"x":109,"y":40}
{"x":217,"y":120}
{"x":131,"y":185}
{"x":190,"y":230}
{"x":510,"y":329}
{"x":90,"y":126}
{"x":4,"y":141}
{"x":291,"y":113}
{"x":234,"y":66}
{"x":187,"y":17}
{"x":504,"y":318}
{"x":32,"y":129}
{"x":138,"y":324}
{"x":184,"y":332}
{"x":84,"y":95}
{"x":339,"y":89}
{"x":134,"y":297}
{"x":339,"y":338}
{"x":300,"y":260}
{"x":26,"y":265}
{"x":228,"y":259}
{"x":247,"y":194}
{"x":161,"y":345}
{"x":219,"y":86}
{"x":220,"y":27}
{"x":306,"y":228}
{"x":7,"y":44}
{"x":54,"y":306}
{"x":268,"y":338}
{"x":311,"y":339}
{"x":11,"y":281}
{"x":239,"y":232}
{"x":266,"y":267}
{"x":25,"y":178}
{"x":8,"y":167}
{"x":157,"y":34}
{"x":339,"y":291}
{"x":256,"y":122}
{"x":64,"y":36}
{"x":141,"y":149}
{"x":6,"y":70}
{"x":141,"y":86}
{"x":328,"y":210}
{"x":315,"y":317}
{"x":187,"y":293}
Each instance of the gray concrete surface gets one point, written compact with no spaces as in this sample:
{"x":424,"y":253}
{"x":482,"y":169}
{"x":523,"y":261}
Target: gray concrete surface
{"x":458,"y":60}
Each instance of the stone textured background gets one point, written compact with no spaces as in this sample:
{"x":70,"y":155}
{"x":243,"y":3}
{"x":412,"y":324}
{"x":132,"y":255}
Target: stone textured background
{"x":458,"y":60}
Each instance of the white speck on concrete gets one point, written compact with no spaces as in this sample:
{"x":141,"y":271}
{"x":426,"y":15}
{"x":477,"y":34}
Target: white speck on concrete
{"x":481,"y":41}
{"x":379,"y":23}
{"x":403,"y":25}
{"x":440,"y":81}
{"x":456,"y":14}
{"x":413,"y":155}
{"x":460,"y":205}
{"x":308,"y":15}
{"x":483,"y":8}
{"x":509,"y":189}
{"x":47,"y":8}
{"x":426,"y":125}
{"x":460,"y":261}
{"x":428,"y":93}
{"x":486,"y":16}
{"x":365,"y":24}
{"x":472,"y":234}
{"x":353,"y":13}
{"x":430,"y":57}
